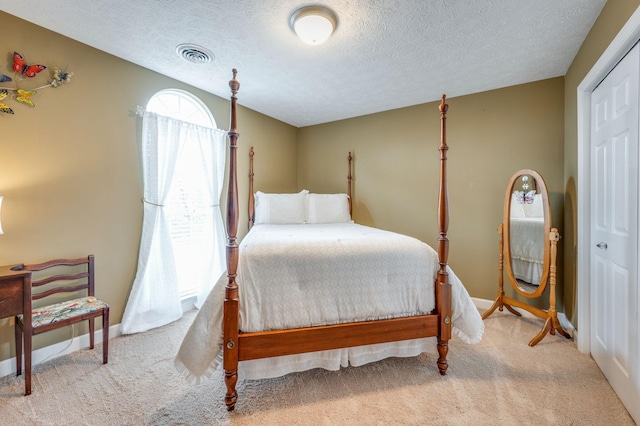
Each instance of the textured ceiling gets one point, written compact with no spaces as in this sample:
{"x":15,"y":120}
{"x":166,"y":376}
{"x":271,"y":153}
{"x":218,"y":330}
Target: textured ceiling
{"x":385,"y":54}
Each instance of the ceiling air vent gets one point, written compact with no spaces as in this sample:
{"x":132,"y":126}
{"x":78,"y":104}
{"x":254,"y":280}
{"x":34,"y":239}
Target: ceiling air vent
{"x":194,"y":53}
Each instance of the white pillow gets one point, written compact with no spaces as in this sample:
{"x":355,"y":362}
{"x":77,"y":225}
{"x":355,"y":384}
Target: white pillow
{"x":281,"y":208}
{"x":328,"y":208}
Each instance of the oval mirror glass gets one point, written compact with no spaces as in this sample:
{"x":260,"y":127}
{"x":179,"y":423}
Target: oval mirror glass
{"x":527,"y":222}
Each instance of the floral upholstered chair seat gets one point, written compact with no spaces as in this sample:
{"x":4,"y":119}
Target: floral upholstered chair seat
{"x":68,"y":309}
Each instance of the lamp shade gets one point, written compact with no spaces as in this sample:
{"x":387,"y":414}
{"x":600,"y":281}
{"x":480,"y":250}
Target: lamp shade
{"x":1,"y":231}
{"x":313,"y":24}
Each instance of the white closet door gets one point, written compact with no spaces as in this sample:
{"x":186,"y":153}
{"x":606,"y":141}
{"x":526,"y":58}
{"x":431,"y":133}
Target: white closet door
{"x":614,"y":229}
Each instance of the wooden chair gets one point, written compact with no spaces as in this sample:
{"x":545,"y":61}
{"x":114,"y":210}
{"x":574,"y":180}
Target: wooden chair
{"x":62,"y":276}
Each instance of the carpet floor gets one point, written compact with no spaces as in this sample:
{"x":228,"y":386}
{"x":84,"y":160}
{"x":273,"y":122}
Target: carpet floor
{"x":500,"y":381}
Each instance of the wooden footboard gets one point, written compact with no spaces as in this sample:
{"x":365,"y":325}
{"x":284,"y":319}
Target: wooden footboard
{"x":246,"y":346}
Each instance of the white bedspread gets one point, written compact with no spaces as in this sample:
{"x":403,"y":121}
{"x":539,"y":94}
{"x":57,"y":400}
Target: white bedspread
{"x":293,"y":276}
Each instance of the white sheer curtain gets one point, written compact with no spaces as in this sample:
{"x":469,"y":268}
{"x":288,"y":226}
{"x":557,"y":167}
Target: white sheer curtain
{"x":214,"y":260}
{"x":155,"y":297}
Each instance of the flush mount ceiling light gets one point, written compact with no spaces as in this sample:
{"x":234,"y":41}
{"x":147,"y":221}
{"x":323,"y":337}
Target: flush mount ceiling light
{"x":313,"y":24}
{"x":194,"y":53}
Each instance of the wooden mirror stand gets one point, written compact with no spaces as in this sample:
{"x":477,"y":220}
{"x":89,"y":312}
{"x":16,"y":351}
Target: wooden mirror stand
{"x":528,"y":248}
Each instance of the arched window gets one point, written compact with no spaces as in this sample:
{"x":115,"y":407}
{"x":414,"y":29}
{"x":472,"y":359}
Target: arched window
{"x":182,"y":106}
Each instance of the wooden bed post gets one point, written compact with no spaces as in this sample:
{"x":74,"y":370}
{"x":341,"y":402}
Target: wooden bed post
{"x":349,"y":179}
{"x":252,"y":200}
{"x":443,"y":287}
{"x":230,"y":326}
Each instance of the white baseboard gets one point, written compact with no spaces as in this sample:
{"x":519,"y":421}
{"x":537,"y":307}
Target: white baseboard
{"x":8,"y":366}
{"x":484,"y":304}
{"x":189,"y":303}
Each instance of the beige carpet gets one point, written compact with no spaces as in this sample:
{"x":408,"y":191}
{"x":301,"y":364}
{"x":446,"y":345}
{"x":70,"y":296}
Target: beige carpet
{"x":500,"y":381}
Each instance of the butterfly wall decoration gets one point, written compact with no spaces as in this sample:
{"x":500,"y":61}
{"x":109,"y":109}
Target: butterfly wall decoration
{"x":24,"y":96}
{"x":60,"y":77}
{"x":26,"y":72}
{"x":21,"y":66}
{"x":4,"y":108}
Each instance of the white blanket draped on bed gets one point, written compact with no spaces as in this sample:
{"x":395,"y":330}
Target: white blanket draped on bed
{"x":527,"y":241}
{"x":292,"y":276}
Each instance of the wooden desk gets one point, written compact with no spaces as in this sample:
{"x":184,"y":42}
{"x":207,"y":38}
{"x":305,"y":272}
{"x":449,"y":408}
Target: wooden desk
{"x":15,"y":299}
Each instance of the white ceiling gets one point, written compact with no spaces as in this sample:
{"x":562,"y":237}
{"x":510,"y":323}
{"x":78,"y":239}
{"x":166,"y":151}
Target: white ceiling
{"x":384,"y":54}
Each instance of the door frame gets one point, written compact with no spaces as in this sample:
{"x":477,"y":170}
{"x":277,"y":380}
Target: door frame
{"x":621,"y":44}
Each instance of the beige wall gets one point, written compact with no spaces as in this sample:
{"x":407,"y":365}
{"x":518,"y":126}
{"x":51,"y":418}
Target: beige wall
{"x":491,"y":135}
{"x":612,"y":18}
{"x":69,"y":168}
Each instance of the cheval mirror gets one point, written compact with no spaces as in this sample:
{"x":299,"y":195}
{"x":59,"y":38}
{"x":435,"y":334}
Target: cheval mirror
{"x":528,"y":250}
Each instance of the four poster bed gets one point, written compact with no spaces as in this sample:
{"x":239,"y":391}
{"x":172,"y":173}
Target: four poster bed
{"x":308,"y":288}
